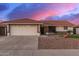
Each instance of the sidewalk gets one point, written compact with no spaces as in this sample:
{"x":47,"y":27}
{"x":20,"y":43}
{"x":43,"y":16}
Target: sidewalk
{"x":53,"y":52}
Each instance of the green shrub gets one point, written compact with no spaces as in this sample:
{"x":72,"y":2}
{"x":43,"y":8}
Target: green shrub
{"x":74,"y":36}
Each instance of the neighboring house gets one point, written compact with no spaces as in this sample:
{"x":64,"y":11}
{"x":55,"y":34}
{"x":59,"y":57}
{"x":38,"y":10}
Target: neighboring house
{"x":76,"y":29}
{"x":23,"y":27}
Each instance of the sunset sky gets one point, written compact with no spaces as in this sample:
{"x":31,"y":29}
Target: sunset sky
{"x":40,"y":11}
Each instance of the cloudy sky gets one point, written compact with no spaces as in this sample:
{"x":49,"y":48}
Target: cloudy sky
{"x":40,"y":11}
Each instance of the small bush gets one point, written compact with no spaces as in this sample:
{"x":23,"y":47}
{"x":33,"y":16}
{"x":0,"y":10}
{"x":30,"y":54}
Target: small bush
{"x":74,"y":36}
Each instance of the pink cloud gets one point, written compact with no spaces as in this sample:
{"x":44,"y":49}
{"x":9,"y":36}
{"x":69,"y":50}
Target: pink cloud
{"x":62,"y":8}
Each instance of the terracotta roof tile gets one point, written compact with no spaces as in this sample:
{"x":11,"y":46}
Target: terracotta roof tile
{"x":23,"y":21}
{"x":58,"y":23}
{"x":47,"y":22}
{"x":76,"y":26}
{"x":2,"y":24}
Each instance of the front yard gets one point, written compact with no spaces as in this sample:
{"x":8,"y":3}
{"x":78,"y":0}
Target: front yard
{"x":56,"y":42}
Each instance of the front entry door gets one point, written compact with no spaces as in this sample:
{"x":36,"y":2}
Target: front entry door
{"x":42,"y":30}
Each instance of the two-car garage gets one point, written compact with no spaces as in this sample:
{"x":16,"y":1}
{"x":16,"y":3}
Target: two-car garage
{"x":23,"y":27}
{"x":23,"y":30}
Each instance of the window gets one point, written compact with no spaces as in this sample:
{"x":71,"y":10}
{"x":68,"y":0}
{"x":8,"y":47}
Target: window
{"x":65,"y":27}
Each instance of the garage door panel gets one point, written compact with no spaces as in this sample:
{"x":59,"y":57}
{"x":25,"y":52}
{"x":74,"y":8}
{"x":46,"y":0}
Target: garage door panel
{"x":23,"y":29}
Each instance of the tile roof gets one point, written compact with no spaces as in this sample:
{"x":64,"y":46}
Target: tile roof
{"x":77,"y":26}
{"x":23,"y":21}
{"x":2,"y":24}
{"x":58,"y":23}
{"x":46,"y":22}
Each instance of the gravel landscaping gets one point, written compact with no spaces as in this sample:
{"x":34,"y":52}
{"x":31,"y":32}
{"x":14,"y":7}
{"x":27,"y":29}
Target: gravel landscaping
{"x":55,"y":42}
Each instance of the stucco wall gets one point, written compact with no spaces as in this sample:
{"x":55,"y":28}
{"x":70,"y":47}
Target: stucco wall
{"x":62,"y":29}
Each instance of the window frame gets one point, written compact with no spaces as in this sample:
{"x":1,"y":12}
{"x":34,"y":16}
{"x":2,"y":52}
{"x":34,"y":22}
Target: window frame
{"x":65,"y":28}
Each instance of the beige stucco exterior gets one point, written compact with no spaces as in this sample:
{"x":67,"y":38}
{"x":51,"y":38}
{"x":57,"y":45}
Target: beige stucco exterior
{"x":30,"y":29}
{"x":61,"y":29}
{"x":17,"y":30}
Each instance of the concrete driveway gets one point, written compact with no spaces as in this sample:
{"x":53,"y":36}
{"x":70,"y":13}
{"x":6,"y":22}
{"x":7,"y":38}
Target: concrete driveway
{"x":19,"y":43}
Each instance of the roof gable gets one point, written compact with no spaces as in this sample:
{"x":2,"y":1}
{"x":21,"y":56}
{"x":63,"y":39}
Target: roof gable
{"x":23,"y":21}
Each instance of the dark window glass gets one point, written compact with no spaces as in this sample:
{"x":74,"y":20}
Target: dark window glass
{"x":65,"y":27}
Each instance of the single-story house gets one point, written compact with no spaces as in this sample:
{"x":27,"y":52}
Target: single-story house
{"x":22,"y":27}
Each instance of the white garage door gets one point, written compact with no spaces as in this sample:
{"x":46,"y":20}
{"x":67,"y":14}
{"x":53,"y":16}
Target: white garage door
{"x":77,"y":30}
{"x":23,"y":30}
